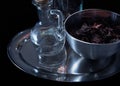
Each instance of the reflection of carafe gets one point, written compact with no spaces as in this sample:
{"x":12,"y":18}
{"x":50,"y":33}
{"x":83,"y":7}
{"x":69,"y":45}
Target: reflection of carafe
{"x":48,"y":34}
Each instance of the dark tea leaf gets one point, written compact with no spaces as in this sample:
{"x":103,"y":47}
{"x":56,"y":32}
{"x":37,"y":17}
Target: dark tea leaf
{"x":98,"y":33}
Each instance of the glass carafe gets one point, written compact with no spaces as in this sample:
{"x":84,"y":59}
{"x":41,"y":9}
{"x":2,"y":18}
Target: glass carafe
{"x":68,"y":6}
{"x":48,"y":34}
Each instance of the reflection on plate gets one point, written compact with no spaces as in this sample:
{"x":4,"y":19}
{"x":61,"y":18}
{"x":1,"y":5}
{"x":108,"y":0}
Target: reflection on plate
{"x":73,"y":69}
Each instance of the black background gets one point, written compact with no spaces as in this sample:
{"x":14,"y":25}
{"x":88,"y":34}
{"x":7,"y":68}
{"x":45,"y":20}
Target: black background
{"x":21,"y":15}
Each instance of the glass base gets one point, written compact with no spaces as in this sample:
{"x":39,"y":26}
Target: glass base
{"x":73,"y":68}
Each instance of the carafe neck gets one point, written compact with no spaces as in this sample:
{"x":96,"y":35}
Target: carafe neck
{"x":43,"y":14}
{"x":43,"y":7}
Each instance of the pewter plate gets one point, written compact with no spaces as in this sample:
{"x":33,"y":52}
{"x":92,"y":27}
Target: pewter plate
{"x":73,"y":69}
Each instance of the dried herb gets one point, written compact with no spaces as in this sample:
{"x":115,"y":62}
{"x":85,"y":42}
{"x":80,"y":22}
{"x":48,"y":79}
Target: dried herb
{"x":98,"y":33}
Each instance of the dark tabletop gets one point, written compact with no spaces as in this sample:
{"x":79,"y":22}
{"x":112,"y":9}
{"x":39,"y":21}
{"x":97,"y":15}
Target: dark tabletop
{"x":21,"y":15}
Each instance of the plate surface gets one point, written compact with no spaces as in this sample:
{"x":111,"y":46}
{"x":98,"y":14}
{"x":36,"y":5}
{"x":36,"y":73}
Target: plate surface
{"x":74,"y":68}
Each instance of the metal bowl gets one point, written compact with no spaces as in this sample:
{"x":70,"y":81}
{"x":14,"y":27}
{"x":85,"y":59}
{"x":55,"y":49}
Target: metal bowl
{"x":86,"y":49}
